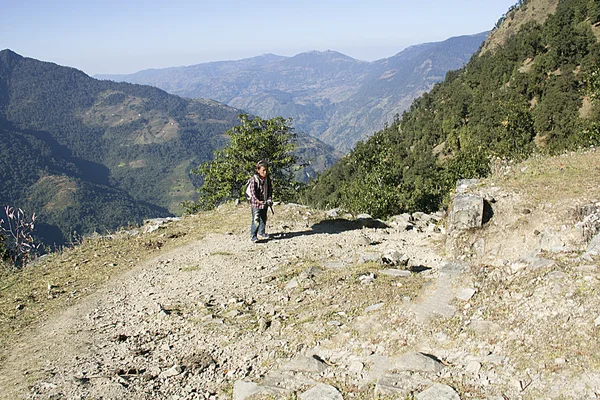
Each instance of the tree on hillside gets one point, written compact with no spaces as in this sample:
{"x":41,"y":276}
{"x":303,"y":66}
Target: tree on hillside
{"x":252,"y":140}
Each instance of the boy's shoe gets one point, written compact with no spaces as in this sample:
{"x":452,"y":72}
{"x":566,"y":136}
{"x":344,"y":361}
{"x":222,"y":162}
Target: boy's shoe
{"x":264,"y":237}
{"x":254,"y":240}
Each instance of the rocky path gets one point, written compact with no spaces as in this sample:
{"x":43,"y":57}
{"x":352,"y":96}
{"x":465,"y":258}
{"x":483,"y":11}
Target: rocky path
{"x":216,"y":315}
{"x":328,"y":309}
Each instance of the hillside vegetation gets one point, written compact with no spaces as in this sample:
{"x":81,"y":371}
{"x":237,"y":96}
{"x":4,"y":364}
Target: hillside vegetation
{"x":534,"y":91}
{"x":88,"y":155}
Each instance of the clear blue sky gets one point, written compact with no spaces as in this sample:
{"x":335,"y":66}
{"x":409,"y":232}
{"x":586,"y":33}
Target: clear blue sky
{"x":125,"y":36}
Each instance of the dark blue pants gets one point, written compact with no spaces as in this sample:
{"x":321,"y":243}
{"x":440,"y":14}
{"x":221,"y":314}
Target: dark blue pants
{"x":259,"y":221}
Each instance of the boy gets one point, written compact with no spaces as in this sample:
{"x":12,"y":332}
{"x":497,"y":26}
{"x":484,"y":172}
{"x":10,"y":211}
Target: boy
{"x":261,"y":192}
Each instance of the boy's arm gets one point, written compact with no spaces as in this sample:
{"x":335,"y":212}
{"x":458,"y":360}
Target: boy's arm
{"x":270,"y":190}
{"x":253,"y":192}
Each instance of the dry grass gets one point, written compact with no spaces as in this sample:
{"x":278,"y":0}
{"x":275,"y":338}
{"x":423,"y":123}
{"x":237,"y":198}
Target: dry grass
{"x":65,"y":278}
{"x":62,"y":279}
{"x":560,"y":179}
{"x":544,"y":316}
{"x":536,"y":10}
{"x":332,"y":304}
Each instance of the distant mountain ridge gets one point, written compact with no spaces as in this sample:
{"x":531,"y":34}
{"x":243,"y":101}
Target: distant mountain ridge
{"x":329,"y":95}
{"x":88,"y":155}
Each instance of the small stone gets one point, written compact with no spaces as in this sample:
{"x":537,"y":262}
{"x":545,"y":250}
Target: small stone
{"x":465,"y":294}
{"x":322,"y":392}
{"x":364,"y":240}
{"x":275,"y":325}
{"x":367,"y":257}
{"x":438,"y":392}
{"x":173,"y":371}
{"x":418,"y":362}
{"x":395,"y":258}
{"x":441,"y":337}
{"x":374,"y":307}
{"x":356,"y":367}
{"x":484,"y":327}
{"x":473,"y":367}
{"x":396,"y":272}
{"x":232,"y":314}
{"x":154,"y":371}
{"x":200,"y":361}
{"x":493,"y":359}
{"x":367,"y":279}
{"x":334,"y":212}
{"x":517,"y":266}
{"x":292,"y":284}
{"x":243,"y":390}
{"x":310,"y":272}
{"x":305,"y":364}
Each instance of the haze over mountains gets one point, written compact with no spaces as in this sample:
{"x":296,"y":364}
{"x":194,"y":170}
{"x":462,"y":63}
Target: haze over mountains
{"x":329,"y":95}
{"x":534,"y":88}
{"x":91,"y":155}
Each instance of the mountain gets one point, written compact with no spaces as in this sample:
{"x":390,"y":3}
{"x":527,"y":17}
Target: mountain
{"x":91,"y":155}
{"x":533,"y":88}
{"x":393,"y":84}
{"x":329,"y":95}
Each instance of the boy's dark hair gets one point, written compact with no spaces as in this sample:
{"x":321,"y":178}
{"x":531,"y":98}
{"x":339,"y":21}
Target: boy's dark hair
{"x":261,"y":163}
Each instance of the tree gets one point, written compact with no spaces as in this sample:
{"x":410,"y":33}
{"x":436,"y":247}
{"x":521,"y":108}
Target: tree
{"x":252,"y":140}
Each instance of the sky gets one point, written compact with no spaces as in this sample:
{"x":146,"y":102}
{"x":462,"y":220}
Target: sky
{"x":126,"y":36}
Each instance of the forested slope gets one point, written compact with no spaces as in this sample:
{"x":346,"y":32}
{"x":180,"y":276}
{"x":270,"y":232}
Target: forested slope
{"x":88,"y":155}
{"x":536,"y":90}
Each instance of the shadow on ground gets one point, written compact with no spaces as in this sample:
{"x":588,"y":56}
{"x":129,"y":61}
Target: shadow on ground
{"x":330,"y":226}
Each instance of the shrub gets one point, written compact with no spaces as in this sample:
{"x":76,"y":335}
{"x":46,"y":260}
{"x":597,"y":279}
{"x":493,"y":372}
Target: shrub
{"x":16,"y":240}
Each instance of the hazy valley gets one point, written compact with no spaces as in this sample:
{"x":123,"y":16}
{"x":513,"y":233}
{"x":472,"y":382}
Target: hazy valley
{"x":328,"y":95}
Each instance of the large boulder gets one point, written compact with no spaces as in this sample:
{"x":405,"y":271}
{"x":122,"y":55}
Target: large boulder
{"x":466,"y":213}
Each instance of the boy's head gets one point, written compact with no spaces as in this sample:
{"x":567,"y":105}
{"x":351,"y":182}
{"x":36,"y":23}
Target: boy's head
{"x":262,"y":168}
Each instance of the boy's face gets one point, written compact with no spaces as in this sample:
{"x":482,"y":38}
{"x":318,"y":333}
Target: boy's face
{"x":262,"y":171}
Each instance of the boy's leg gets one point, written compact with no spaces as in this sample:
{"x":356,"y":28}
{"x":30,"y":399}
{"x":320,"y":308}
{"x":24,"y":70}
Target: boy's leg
{"x":254,"y":226}
{"x":262,"y":222}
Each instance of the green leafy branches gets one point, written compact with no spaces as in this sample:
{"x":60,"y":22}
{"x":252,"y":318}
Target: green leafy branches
{"x":254,"y":139}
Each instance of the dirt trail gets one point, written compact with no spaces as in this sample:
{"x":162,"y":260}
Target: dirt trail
{"x":190,"y":322}
{"x":314,"y":310}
